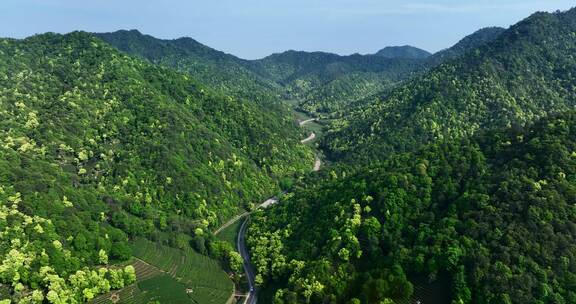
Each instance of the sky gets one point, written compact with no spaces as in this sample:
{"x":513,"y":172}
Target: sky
{"x":256,"y":28}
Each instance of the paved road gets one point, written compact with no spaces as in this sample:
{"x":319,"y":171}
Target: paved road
{"x":309,"y":138}
{"x":269,"y":202}
{"x":307,"y":121}
{"x":241,"y":245}
{"x":317,"y":164}
{"x":250,"y":274}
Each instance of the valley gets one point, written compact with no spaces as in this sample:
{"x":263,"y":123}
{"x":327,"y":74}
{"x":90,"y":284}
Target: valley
{"x":135,"y":169}
{"x":165,"y":274}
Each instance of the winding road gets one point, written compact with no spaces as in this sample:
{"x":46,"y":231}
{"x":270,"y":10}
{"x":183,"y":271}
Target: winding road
{"x":252,"y":297}
{"x":309,"y":138}
{"x":307,"y":121}
{"x":241,"y":244}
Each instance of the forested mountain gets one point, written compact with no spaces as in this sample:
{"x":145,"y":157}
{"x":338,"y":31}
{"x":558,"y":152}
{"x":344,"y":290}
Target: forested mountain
{"x":487,"y":219}
{"x":216,"y":69}
{"x":323,"y":80}
{"x":405,"y":51}
{"x":97,"y":146}
{"x":525,"y":73}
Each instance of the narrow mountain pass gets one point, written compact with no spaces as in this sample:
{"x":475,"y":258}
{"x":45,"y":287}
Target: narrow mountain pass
{"x":273,"y":200}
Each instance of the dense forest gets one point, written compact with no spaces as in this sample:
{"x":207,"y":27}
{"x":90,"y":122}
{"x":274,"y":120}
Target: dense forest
{"x":523,"y":74}
{"x":459,"y":180}
{"x":493,"y":215}
{"x":97,"y":147}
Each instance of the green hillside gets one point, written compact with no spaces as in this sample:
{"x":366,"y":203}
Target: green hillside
{"x":523,"y":74}
{"x":142,"y":170}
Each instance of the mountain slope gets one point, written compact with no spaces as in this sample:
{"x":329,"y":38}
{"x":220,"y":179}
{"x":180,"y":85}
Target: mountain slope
{"x":287,"y":66}
{"x":470,"y":42}
{"x":406,"y":51}
{"x":488,"y":219}
{"x":524,"y":74}
{"x":216,"y":69}
{"x":97,"y":147}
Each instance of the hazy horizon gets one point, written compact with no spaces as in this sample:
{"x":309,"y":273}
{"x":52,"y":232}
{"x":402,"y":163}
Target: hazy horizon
{"x":255,"y":28}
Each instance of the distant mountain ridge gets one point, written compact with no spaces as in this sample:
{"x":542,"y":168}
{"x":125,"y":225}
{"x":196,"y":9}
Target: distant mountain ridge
{"x":288,"y":75}
{"x":323,"y":82}
{"x":214,"y":68}
{"x":354,"y":86}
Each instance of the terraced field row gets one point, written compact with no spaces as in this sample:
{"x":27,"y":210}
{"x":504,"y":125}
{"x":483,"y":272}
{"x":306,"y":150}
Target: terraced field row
{"x":127,"y":295}
{"x":132,"y":293}
{"x":144,"y":270}
{"x":170,"y":275}
{"x":204,"y":279}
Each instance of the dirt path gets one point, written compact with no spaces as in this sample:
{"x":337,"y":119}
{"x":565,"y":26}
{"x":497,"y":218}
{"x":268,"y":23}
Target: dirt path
{"x":267,"y":203}
{"x":230,"y":222}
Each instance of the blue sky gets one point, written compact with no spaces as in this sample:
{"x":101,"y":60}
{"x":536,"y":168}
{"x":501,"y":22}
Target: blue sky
{"x":256,"y":28}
